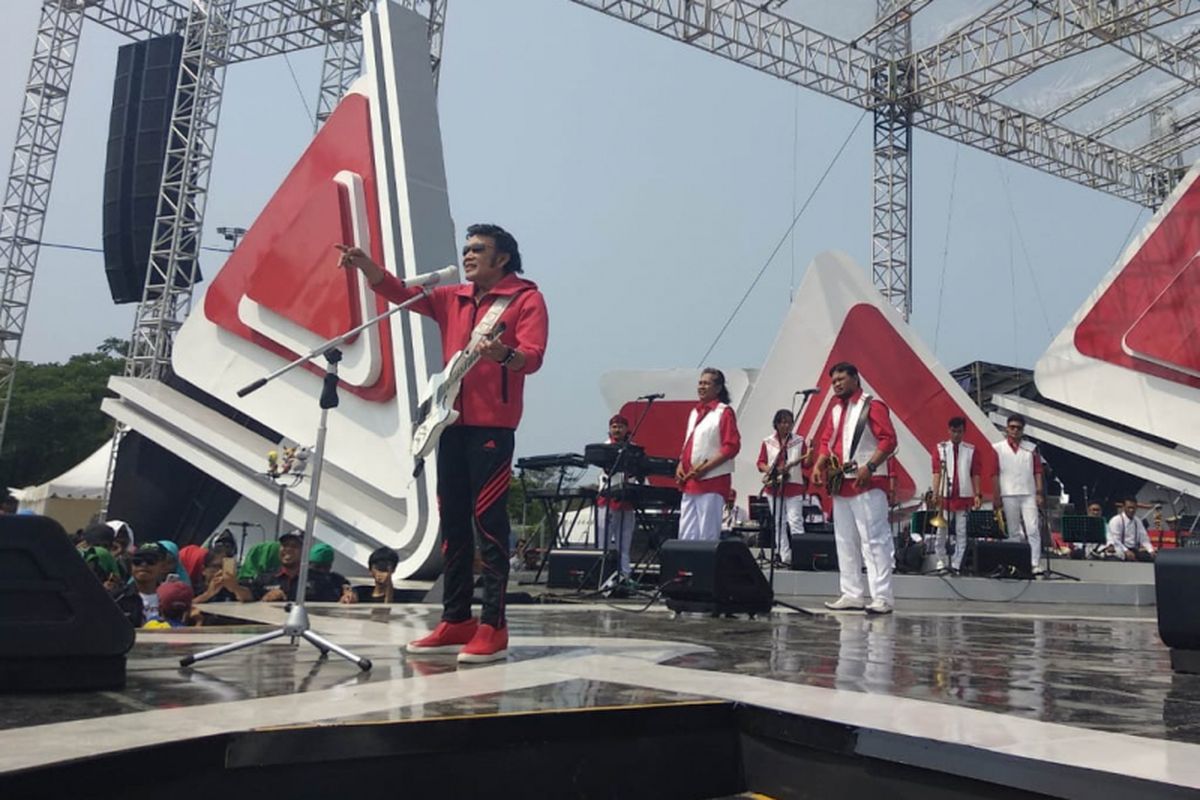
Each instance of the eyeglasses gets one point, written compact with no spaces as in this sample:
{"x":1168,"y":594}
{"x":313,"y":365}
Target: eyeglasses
{"x":474,"y":248}
{"x":143,"y":561}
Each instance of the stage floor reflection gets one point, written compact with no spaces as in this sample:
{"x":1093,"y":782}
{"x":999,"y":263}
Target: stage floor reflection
{"x":1025,"y":684}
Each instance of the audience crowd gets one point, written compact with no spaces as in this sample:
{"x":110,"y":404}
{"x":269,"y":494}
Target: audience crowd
{"x":158,"y":584}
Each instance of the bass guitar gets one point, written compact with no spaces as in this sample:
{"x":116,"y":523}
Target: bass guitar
{"x":437,"y":412}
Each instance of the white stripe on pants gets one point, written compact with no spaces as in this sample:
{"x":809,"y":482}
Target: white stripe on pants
{"x":860,"y":530}
{"x":793,"y":518}
{"x":1021,"y":510}
{"x":700,"y":516}
{"x":960,"y":538}
{"x":620,"y":532}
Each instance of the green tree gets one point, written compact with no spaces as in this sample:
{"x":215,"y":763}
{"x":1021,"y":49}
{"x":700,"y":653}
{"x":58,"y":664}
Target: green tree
{"x":54,"y":418}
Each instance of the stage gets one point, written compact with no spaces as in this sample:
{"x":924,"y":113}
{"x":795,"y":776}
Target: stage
{"x":958,"y":700}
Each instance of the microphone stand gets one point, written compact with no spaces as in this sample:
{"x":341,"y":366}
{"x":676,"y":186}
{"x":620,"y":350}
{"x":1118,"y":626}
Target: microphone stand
{"x":779,"y":515}
{"x":297,"y":625}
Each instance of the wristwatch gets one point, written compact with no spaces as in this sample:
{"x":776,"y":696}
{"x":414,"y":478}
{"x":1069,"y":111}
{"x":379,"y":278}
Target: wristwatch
{"x":872,"y":467}
{"x":508,"y":357}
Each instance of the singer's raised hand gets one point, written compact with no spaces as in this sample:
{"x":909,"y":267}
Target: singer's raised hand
{"x":355,"y":257}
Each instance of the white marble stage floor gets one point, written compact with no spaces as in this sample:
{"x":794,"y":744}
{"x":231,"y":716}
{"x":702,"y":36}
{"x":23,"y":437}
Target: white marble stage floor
{"x":1079,"y":704}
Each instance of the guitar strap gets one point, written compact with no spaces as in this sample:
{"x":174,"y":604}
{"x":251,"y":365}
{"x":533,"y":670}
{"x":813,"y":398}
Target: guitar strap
{"x":485,"y":325}
{"x":859,"y":426}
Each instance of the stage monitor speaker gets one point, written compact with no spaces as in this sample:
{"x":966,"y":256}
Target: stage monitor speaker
{"x":1177,"y":596}
{"x":814,"y":551}
{"x":998,"y":559}
{"x":713,"y":577}
{"x":59,"y":629}
{"x":577,"y":569}
{"x":138,"y":128}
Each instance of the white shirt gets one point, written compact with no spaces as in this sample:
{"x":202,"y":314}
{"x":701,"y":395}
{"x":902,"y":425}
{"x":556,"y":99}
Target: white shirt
{"x":1125,"y":534}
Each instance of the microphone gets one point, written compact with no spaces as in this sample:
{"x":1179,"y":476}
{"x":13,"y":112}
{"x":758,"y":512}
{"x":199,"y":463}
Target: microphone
{"x":655,"y":396}
{"x":806,"y":391}
{"x":444,"y":275}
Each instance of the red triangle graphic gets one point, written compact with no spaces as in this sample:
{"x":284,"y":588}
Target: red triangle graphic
{"x":287,"y":264}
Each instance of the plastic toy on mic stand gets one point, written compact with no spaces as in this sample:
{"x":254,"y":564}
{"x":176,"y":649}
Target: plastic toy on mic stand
{"x":296,"y":626}
{"x":286,"y":473}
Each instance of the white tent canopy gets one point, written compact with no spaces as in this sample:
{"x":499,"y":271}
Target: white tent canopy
{"x":84,"y":481}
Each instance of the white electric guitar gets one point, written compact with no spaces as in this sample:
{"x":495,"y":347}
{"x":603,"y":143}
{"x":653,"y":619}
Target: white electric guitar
{"x":437,"y":412}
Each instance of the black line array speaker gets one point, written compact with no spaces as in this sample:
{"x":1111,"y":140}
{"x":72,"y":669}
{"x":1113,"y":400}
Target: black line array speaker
{"x":59,"y":629}
{"x":138,"y":130}
{"x":1177,"y":596}
{"x":713,"y":577}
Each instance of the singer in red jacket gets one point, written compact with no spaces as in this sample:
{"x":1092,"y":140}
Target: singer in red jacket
{"x":474,"y":457}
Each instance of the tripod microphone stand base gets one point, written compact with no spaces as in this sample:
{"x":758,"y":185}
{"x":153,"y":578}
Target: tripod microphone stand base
{"x":295,"y":627}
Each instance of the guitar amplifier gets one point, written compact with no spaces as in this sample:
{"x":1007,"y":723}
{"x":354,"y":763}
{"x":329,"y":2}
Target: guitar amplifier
{"x":578,"y":568}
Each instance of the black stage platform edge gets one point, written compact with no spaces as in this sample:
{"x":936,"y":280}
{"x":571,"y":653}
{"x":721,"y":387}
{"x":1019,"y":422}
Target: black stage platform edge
{"x":793,"y":756}
{"x":684,"y":750}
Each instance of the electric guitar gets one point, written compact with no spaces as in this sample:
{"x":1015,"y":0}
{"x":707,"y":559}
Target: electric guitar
{"x":437,"y":412}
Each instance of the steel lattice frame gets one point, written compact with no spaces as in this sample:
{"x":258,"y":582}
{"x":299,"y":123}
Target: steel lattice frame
{"x":27,"y":195}
{"x":891,"y":189}
{"x":343,"y":57}
{"x":251,"y":31}
{"x":949,"y":88}
{"x":183,"y":191}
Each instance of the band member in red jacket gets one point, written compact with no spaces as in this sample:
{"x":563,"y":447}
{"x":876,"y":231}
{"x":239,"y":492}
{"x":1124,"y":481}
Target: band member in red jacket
{"x":780,"y":460}
{"x":474,"y":457}
{"x":858,"y":432}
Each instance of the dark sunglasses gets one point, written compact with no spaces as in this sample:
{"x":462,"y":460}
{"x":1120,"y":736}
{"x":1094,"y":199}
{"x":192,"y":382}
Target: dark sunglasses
{"x":474,"y":248}
{"x":144,"y":561}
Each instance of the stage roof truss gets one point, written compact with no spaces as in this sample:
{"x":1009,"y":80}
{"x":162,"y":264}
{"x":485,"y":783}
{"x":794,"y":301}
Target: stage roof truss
{"x":1038,"y":82}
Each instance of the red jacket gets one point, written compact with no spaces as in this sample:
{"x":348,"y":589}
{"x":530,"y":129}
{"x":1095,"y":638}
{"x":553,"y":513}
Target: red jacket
{"x":491,"y":395}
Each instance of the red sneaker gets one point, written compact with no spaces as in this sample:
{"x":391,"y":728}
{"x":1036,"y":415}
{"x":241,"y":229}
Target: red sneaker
{"x":447,"y":637}
{"x":488,"y":644}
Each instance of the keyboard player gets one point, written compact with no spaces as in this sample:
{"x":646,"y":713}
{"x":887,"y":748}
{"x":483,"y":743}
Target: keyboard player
{"x":615,"y":518}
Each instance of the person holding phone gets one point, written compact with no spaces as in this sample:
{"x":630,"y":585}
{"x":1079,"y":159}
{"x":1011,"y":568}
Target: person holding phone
{"x":221,"y":581}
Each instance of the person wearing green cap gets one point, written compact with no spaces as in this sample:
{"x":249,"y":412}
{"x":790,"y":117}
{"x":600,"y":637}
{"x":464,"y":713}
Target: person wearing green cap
{"x":324,"y":586}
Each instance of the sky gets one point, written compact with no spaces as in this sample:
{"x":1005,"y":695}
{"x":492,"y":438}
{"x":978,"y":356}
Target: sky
{"x":647,"y":183}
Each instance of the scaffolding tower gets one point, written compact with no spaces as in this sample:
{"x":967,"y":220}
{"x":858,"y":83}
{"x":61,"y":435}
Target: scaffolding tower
{"x":216,"y":33}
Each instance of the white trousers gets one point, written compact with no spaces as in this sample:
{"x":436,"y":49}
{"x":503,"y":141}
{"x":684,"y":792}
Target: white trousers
{"x":619,"y":526}
{"x":792,"y":519}
{"x":960,"y":538}
{"x":860,"y":530}
{"x":1021,"y":511}
{"x":700,"y":517}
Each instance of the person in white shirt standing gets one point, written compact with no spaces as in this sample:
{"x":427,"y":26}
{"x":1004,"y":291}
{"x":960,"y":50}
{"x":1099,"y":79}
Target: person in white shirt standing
{"x":955,"y":490}
{"x":1018,"y":487}
{"x":779,"y":460}
{"x":1127,"y":536}
{"x":705,"y":471}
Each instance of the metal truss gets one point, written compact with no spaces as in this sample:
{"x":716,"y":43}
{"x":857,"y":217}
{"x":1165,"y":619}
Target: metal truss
{"x":891,"y":187}
{"x":949,"y":88}
{"x":343,"y":48}
{"x":257,"y":30}
{"x":179,"y":220}
{"x":343,"y":57}
{"x":27,"y":194}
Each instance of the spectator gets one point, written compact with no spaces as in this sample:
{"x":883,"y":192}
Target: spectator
{"x":273,"y":587}
{"x":225,"y":541}
{"x":175,"y":603}
{"x":382,"y":564}
{"x":171,"y":565}
{"x":261,"y":559}
{"x":320,"y":561}
{"x":138,"y":598}
{"x":8,"y":505}
{"x":104,"y":566}
{"x":122,"y":536}
{"x":191,"y":558}
{"x":220,"y":582}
